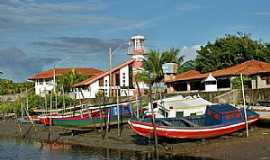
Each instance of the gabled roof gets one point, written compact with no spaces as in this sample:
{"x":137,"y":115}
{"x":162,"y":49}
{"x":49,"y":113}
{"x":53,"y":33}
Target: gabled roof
{"x":187,"y":75}
{"x":93,"y":79}
{"x":59,"y":71}
{"x":251,"y":67}
{"x":210,"y":78}
{"x":247,"y":68}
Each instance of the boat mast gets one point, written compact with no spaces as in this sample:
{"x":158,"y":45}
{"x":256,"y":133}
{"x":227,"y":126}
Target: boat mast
{"x":64,"y":105}
{"x":244,"y":103}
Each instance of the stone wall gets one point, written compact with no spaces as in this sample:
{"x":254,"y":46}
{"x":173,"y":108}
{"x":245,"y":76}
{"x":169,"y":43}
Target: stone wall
{"x":9,"y":97}
{"x":252,"y":96}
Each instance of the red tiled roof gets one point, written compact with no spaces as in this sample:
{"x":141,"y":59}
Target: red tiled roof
{"x":248,"y":68}
{"x":59,"y":71}
{"x":93,"y":79}
{"x":186,"y":75}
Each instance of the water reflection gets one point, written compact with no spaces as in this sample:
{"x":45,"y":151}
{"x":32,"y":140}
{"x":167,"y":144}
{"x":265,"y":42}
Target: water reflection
{"x":18,"y":149}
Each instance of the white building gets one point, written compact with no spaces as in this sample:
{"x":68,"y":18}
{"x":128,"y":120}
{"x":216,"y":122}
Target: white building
{"x":122,"y":79}
{"x":45,"y":81}
{"x":210,"y":84}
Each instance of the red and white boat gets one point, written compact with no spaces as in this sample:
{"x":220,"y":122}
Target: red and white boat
{"x":218,"y":120}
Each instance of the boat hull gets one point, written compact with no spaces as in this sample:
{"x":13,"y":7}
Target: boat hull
{"x":146,"y":129}
{"x":87,"y":123}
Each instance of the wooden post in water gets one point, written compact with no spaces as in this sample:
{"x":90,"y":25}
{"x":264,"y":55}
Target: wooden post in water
{"x":50,"y":118}
{"x":64,"y":104}
{"x":108,"y":122}
{"x":46,"y":104}
{"x":244,"y":103}
{"x":118,"y":112}
{"x":56,"y":98}
{"x":137,"y":107}
{"x":153,"y":122}
{"x":27,"y":100}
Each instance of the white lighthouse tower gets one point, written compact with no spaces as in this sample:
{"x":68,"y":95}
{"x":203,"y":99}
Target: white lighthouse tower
{"x":137,"y":52}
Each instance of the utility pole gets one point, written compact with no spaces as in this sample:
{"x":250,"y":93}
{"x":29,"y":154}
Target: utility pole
{"x":54,"y":80}
{"x":110,"y":67}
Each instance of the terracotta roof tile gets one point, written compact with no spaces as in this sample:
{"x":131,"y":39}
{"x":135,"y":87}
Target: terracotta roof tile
{"x":251,"y":67}
{"x":93,"y":79}
{"x":59,"y":71}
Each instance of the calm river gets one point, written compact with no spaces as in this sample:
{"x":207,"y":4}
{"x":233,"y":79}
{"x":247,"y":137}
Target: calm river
{"x":11,"y":149}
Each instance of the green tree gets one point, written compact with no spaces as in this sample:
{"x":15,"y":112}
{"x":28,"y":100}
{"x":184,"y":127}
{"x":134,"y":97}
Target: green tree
{"x":153,"y":72}
{"x":188,"y":65}
{"x":230,"y":50}
{"x":9,"y":87}
{"x":67,"y":80}
{"x":171,"y":56}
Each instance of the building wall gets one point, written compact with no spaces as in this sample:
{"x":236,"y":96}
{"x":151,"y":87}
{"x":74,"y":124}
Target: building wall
{"x":106,"y":86}
{"x":90,"y":92}
{"x":94,"y":89}
{"x":43,"y":86}
{"x":262,"y":83}
{"x":210,"y":87}
{"x":124,"y":76}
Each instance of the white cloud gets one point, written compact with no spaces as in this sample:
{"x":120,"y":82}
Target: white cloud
{"x":20,"y":14}
{"x":189,"y":52}
{"x":266,"y":14}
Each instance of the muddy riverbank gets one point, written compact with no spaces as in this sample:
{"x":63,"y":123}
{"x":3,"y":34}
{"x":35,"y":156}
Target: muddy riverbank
{"x":234,"y":146}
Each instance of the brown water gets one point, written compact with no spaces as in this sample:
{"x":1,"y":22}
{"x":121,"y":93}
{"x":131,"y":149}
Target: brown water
{"x":11,"y":149}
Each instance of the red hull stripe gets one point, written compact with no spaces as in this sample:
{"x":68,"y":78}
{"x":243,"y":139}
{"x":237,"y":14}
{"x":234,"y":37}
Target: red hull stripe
{"x":146,"y":129}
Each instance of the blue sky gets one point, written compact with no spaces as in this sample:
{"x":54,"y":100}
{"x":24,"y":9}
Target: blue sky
{"x":38,"y":34}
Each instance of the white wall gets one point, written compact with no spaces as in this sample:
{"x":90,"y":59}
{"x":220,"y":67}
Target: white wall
{"x":94,"y":87}
{"x":106,"y":85}
{"x":90,"y":92}
{"x":261,"y":83}
{"x":42,"y":86}
{"x":210,"y":87}
{"x":124,"y":76}
{"x":187,"y":112}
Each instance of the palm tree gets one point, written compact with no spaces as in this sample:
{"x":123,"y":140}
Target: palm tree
{"x":153,"y":73}
{"x":67,"y":80}
{"x":172,"y":56}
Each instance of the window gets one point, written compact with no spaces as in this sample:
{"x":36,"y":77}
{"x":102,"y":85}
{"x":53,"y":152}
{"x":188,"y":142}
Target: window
{"x":210,"y":82}
{"x":155,"y":105}
{"x":192,"y":114}
{"x":179,"y":114}
{"x":101,"y":82}
{"x":267,"y":79}
{"x":117,"y":79}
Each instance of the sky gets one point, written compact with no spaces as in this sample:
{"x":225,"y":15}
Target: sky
{"x":36,"y":35}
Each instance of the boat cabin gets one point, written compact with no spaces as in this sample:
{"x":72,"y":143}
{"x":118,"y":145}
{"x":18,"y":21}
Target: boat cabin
{"x":179,"y":106}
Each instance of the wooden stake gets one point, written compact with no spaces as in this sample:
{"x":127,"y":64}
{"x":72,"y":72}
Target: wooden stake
{"x":108,"y":122}
{"x":64,"y":104}
{"x":118,"y":112}
{"x":244,"y":101}
{"x":153,"y":121}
